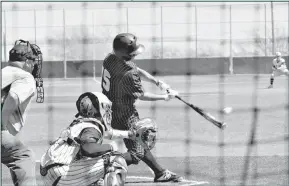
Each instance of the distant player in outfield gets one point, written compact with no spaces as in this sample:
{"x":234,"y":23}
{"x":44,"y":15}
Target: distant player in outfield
{"x":78,"y":157}
{"x":18,"y":88}
{"x":279,"y":68}
{"x":121,"y":83}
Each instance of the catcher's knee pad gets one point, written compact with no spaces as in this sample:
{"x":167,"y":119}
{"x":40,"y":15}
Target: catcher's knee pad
{"x":113,"y":179}
{"x":116,"y":172}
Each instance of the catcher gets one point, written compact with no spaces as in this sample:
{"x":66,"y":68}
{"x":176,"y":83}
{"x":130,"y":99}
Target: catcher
{"x":78,"y":156}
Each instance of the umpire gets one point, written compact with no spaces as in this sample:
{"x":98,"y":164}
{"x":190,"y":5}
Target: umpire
{"x":18,"y":88}
{"x":121,"y":83}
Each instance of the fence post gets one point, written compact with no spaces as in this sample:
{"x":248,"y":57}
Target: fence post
{"x":127,"y":19}
{"x":231,"y":68}
{"x":4,"y":37}
{"x":265,"y":29}
{"x":64,"y":46}
{"x":35,"y":26}
{"x":196,"y":27}
{"x":273,"y":30}
{"x":162,"y":36}
{"x":93,"y":46}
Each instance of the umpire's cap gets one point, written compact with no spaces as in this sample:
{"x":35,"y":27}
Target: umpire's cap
{"x":125,"y":45}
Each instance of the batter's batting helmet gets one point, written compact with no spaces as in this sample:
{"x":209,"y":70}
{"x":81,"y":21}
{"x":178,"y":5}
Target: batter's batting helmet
{"x":126,"y":47}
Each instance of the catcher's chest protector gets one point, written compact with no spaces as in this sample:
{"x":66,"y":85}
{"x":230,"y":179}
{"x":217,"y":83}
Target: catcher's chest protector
{"x":65,"y":149}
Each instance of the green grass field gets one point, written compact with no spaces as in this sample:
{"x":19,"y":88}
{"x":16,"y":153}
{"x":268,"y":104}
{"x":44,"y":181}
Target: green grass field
{"x":202,"y":161}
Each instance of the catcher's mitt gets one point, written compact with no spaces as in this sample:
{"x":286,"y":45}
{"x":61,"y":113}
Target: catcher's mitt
{"x":146,"y":133}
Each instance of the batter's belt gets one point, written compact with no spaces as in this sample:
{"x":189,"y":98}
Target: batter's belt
{"x":124,"y":117}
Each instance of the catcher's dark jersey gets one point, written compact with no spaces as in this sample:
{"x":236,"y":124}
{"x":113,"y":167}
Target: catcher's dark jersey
{"x":121,"y":83}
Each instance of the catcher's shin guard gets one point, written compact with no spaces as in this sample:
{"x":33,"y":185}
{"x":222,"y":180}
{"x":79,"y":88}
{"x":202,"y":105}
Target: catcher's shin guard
{"x":116,"y":172}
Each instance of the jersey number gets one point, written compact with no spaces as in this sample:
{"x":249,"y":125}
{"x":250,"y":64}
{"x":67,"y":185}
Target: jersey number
{"x":105,"y":80}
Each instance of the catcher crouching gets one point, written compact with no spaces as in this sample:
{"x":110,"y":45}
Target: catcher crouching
{"x":78,"y":156}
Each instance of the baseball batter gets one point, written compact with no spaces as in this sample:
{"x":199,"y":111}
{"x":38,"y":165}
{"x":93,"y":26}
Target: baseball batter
{"x":78,"y":156}
{"x":18,"y":88}
{"x":279,"y":68}
{"x":121,"y":83}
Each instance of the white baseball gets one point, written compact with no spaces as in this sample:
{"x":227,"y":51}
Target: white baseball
{"x":227,"y":110}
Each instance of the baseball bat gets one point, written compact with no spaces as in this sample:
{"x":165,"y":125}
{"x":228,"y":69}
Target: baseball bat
{"x":205,"y":114}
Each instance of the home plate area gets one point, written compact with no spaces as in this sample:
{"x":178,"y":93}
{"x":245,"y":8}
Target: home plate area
{"x":143,"y":181}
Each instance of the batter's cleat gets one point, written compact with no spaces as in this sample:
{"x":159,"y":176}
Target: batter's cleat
{"x":271,"y":86}
{"x":168,"y":176}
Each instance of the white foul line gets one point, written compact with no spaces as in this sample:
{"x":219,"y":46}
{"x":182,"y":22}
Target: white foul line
{"x":187,"y":182}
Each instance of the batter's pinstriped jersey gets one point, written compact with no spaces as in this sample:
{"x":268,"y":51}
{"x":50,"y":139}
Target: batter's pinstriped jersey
{"x":120,"y":80}
{"x":121,"y":83}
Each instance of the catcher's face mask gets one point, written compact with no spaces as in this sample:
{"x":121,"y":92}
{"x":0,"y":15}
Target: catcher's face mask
{"x":24,"y":51}
{"x":37,"y":70}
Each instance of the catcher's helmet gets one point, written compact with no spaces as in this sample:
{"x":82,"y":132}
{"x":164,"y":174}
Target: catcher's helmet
{"x":126,"y":47}
{"x":94,"y":105}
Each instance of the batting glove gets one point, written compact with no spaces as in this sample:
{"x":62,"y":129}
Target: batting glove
{"x":163,"y":86}
{"x":132,"y":134}
{"x":171,"y":94}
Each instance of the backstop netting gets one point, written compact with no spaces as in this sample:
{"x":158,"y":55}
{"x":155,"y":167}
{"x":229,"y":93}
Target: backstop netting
{"x":216,"y":55}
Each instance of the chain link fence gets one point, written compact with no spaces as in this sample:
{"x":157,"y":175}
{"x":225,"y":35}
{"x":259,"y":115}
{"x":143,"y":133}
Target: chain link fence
{"x":82,"y":36}
{"x":63,"y":33}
